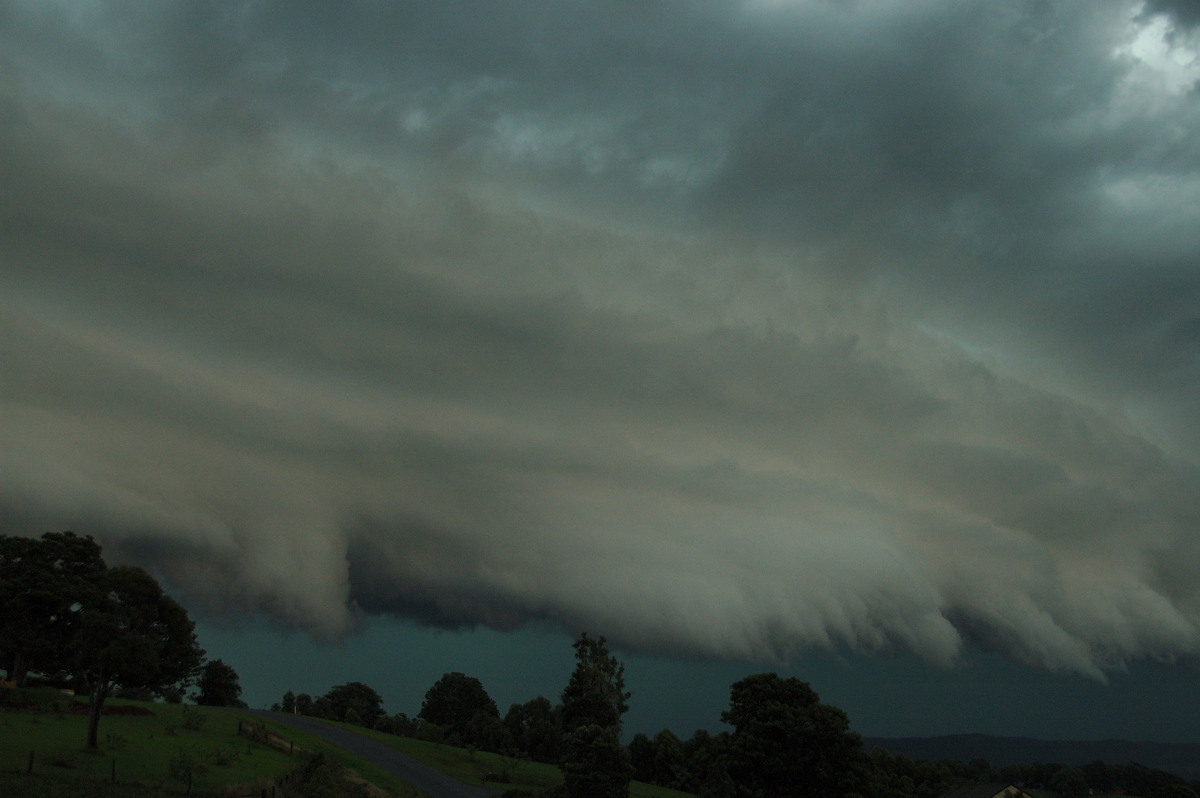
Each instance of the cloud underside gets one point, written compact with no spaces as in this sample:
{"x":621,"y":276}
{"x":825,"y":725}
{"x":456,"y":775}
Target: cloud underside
{"x":855,"y":331}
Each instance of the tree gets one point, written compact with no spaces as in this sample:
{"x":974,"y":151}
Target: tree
{"x":535,"y":729}
{"x":1069,"y":783}
{"x":132,"y":634}
{"x":289,"y":703}
{"x":459,"y":704}
{"x":670,"y":768}
{"x":219,"y":686}
{"x":595,"y":765}
{"x":785,"y":742}
{"x":641,"y":758}
{"x":596,"y":693}
{"x":42,"y":583}
{"x":353,"y":697}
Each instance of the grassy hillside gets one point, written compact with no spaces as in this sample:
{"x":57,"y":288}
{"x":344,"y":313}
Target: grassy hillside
{"x":494,"y":770}
{"x":152,"y":749}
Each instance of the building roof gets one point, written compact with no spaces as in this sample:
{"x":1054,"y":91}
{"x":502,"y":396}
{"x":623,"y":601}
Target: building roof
{"x":993,"y":789}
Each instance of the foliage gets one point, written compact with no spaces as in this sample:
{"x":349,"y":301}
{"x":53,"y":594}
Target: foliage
{"x":1069,"y":783}
{"x":219,"y":686}
{"x":786,"y":742}
{"x":193,"y":719}
{"x":595,"y":764}
{"x":352,"y":697}
{"x":322,"y":776}
{"x":42,"y":582}
{"x":595,"y":695}
{"x":185,"y":766}
{"x":535,"y":729}
{"x":462,"y":707}
{"x":132,"y":634}
{"x":68,"y":614}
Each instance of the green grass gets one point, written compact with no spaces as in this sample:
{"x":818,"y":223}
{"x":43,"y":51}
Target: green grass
{"x":137,"y":748}
{"x":140,"y":750}
{"x":142,"y":747}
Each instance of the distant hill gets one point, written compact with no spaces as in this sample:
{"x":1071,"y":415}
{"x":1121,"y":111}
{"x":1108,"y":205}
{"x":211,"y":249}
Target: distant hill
{"x":1182,"y":759}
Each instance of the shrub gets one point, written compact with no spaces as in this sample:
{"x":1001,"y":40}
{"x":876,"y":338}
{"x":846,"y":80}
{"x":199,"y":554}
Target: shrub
{"x":185,"y":766}
{"x":193,"y":718}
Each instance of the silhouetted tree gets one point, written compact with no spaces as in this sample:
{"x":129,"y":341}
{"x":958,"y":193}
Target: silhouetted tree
{"x":133,"y":634}
{"x":670,"y":769}
{"x":352,"y":697}
{"x":43,"y":583}
{"x":785,"y":742}
{"x":219,"y":685}
{"x":1069,"y":783}
{"x":535,"y":729}
{"x":707,"y":765}
{"x":641,"y":758}
{"x":595,"y":764}
{"x":462,"y":707}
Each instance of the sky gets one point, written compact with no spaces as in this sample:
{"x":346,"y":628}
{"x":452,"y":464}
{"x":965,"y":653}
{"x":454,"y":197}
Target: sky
{"x":857,"y":340}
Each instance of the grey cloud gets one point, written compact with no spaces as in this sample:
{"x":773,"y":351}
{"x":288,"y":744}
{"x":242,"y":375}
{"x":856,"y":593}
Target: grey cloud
{"x":1182,"y":11}
{"x":726,"y":329}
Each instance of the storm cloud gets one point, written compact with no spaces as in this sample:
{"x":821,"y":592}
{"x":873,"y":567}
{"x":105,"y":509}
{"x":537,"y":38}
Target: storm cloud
{"x":725,"y":329}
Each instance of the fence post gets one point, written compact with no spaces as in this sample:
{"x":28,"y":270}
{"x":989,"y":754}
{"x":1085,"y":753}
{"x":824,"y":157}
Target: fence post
{"x":30,"y":768}
{"x":114,"y":771}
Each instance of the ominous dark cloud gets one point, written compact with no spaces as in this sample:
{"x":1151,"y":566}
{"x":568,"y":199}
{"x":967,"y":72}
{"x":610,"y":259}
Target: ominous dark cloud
{"x":730,"y":329}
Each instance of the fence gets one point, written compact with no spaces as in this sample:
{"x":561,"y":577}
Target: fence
{"x":256,"y":732}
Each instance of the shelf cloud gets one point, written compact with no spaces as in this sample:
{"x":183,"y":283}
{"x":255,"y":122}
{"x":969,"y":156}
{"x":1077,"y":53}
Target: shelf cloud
{"x":724,"y":329}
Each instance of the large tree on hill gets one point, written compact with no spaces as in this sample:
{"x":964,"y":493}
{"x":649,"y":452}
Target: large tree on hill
{"x":219,"y":686}
{"x":595,"y":764}
{"x":42,"y":582}
{"x":130,"y":634}
{"x":354,"y":702}
{"x":460,"y":705}
{"x":785,"y":742}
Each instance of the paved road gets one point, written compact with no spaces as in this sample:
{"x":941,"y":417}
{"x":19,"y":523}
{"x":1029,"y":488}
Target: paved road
{"x":430,"y":780}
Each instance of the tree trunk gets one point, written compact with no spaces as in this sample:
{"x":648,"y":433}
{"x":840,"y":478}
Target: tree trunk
{"x":99,"y":693}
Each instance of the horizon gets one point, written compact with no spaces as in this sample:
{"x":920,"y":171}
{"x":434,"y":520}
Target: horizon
{"x":857,"y":341}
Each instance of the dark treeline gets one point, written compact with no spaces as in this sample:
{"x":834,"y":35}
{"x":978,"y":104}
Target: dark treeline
{"x":783,"y":741}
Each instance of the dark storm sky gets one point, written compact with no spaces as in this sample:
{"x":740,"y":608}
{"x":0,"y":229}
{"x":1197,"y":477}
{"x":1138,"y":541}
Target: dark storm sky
{"x":736,"y":331}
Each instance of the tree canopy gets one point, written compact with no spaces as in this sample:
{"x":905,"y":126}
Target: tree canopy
{"x":354,"y":702}
{"x":535,"y":729}
{"x":595,"y":694}
{"x":219,"y":686}
{"x":595,"y":764}
{"x":69,"y":615}
{"x":460,"y":705}
{"x":42,"y":583}
{"x":786,"y":742}
{"x":132,"y":634}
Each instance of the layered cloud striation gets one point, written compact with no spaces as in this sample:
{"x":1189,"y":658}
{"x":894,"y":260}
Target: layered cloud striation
{"x":728,"y":329}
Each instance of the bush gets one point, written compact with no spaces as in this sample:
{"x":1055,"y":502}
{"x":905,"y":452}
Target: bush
{"x":193,"y":719}
{"x":185,"y":766}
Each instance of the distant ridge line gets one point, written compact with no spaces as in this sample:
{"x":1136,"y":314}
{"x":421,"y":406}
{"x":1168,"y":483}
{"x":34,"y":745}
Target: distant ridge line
{"x":1182,"y":759}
